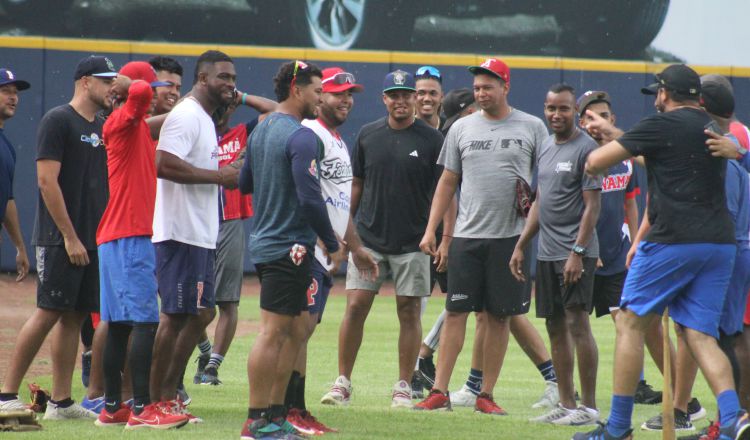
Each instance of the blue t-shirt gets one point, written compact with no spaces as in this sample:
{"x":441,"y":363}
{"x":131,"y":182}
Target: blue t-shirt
{"x":7,"y":169}
{"x":737,"y":187}
{"x":619,"y":184}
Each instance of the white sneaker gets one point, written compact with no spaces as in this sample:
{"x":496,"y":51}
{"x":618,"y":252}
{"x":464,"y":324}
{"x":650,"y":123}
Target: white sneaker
{"x":12,"y":405}
{"x":550,"y":398}
{"x":401,"y":395}
{"x":463,"y":397}
{"x":74,"y":411}
{"x":579,"y":417}
{"x":340,"y":393}
{"x":555,"y":414}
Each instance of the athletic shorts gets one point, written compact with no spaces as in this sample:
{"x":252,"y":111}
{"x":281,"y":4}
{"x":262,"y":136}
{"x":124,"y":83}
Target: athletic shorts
{"x":552,"y":297}
{"x":441,"y":278}
{"x":481,"y":279}
{"x":185,"y":275}
{"x":691,"y":278}
{"x":733,"y":312}
{"x":410,"y":272}
{"x":230,"y":252}
{"x":320,"y":287}
{"x":284,"y":285}
{"x":608,"y":292}
{"x":64,"y":286}
{"x":127,"y":283}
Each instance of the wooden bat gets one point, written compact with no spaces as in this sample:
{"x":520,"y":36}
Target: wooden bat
{"x":667,"y":405}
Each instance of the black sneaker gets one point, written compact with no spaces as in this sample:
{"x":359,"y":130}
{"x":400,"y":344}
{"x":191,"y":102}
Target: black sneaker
{"x":645,"y":395}
{"x":427,"y":368}
{"x":681,"y":422}
{"x":417,"y":387}
{"x":600,"y":433}
{"x":210,"y":376}
{"x":202,"y":361}
{"x":695,"y":410}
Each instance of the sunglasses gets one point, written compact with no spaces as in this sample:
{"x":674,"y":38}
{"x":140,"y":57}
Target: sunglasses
{"x":298,"y":66}
{"x":340,"y":79}
{"x":429,"y":72}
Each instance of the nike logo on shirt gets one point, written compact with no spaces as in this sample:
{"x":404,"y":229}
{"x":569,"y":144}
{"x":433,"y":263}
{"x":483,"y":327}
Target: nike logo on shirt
{"x":414,"y":154}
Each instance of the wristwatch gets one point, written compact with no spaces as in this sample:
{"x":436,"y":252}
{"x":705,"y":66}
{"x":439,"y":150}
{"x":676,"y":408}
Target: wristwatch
{"x":579,"y":250}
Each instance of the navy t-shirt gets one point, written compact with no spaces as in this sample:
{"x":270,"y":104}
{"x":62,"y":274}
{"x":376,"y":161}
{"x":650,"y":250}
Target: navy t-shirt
{"x":7,"y":169}
{"x":618,"y":185}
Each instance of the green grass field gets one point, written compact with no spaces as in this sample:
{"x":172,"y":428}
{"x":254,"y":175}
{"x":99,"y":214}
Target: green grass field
{"x":224,"y":408}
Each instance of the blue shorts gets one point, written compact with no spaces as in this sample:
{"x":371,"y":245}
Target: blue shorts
{"x":127,"y":285}
{"x":185,"y":274}
{"x":690,"y":278}
{"x":734,"y":304}
{"x":317,"y":293}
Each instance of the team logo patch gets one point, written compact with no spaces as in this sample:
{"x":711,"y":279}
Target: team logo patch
{"x":311,"y":292}
{"x":199,"y":288}
{"x":92,"y":139}
{"x":399,"y":78}
{"x":313,"y":170}
{"x":110,"y":64}
{"x":564,"y":167}
{"x":297,"y":254}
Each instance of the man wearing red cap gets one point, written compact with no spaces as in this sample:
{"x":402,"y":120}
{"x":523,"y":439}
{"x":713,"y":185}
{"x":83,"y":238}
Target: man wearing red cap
{"x":126,"y":255}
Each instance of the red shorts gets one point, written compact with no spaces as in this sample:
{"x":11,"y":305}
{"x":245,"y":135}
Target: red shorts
{"x":746,"y":319}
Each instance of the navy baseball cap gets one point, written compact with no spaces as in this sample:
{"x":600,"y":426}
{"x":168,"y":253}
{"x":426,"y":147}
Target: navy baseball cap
{"x":399,"y":80}
{"x":7,"y":77}
{"x":676,"y":78}
{"x":94,"y":65}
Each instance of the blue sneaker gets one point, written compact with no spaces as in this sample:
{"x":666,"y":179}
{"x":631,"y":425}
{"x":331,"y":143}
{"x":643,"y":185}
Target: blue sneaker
{"x":740,"y":429}
{"x":95,"y":405}
{"x":601,"y":433}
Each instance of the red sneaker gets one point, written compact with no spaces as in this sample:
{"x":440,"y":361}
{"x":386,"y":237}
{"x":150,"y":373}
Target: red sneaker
{"x":713,"y":432}
{"x":486,"y":405}
{"x":155,"y":416}
{"x":179,"y":408}
{"x":295,"y":418}
{"x":312,"y":421}
{"x":120,"y":417}
{"x":436,"y":400}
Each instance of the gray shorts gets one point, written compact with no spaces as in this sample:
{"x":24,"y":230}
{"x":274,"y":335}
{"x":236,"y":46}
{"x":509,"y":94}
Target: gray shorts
{"x":230,"y":252}
{"x":410,"y":273}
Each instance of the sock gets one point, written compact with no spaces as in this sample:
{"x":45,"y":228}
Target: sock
{"x":276,"y":412}
{"x":547,"y":371}
{"x":205,"y":347}
{"x":643,"y":377}
{"x":257,"y":413}
{"x":112,"y":405}
{"x":620,"y":415}
{"x":726,"y":343}
{"x":729,"y":406}
{"x":4,"y":397}
{"x":87,"y":332}
{"x":215,"y":361}
{"x":291,"y":390}
{"x":299,"y":399}
{"x":64,"y":403}
{"x":115,"y":351}
{"x":141,"y":348}
{"x":474,"y":382}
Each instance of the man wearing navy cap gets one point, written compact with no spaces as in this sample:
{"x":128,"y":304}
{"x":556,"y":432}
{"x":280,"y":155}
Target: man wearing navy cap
{"x":395,"y":170}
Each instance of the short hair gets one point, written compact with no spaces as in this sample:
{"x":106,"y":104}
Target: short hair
{"x":283,"y":79}
{"x":210,"y":57}
{"x":562,"y":87}
{"x":166,"y":64}
{"x":680,"y":98}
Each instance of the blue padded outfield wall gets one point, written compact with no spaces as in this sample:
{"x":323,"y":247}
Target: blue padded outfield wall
{"x":48,"y":64}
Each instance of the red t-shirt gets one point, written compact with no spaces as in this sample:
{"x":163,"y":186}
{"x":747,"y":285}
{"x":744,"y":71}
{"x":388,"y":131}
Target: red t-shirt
{"x":131,"y":163}
{"x":739,"y":131}
{"x":232,"y":203}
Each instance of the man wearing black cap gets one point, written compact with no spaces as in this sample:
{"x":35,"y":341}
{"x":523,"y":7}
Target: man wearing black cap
{"x":686,"y":258}
{"x":9,"y":88}
{"x":72,"y":175}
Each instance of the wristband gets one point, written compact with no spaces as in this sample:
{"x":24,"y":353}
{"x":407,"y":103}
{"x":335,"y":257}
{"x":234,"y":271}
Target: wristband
{"x":244,"y":95}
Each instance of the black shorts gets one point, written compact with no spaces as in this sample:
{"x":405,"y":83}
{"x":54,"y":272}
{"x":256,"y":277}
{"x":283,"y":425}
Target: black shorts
{"x":441,"y":278}
{"x":552,"y":298}
{"x":481,"y":279}
{"x":63,"y":285}
{"x":607,"y":292}
{"x":283,"y":285}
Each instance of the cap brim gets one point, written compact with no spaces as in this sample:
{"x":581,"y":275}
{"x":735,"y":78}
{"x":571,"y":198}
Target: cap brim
{"x":161,"y":84}
{"x":19,"y":83}
{"x":475,"y":70}
{"x":105,"y":75}
{"x":650,"y":89}
{"x":356,"y":88}
{"x":390,"y":89}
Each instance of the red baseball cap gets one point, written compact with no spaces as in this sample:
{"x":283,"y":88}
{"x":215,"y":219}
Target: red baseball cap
{"x":143,"y":71}
{"x":336,"y":80}
{"x":494,"y":67}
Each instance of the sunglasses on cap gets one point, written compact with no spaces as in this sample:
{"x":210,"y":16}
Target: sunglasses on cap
{"x":429,"y":72}
{"x":298,"y":66}
{"x":340,"y":78}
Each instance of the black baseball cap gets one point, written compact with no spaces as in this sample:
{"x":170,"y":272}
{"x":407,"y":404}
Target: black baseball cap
{"x":591,"y":97}
{"x":94,"y":65}
{"x":677,"y":78}
{"x":454,"y":103}
{"x":7,"y":77}
{"x":717,"y":99}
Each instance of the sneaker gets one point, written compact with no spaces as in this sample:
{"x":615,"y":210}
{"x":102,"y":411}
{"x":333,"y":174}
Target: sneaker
{"x":417,"y":386}
{"x":202,"y":361}
{"x":155,"y":417}
{"x":287,"y":428}
{"x":182,"y":394}
{"x":740,"y":429}
{"x":645,"y":395}
{"x":340,"y":393}
{"x":710,"y":432}
{"x":695,"y":410}
{"x":74,"y":411}
{"x":260,"y":429}
{"x":464,"y":397}
{"x":294,"y":417}
{"x":580,"y":416}
{"x":313,"y":422}
{"x":401,"y":396}
{"x":96,"y":405}
{"x":435,"y":401}
{"x":550,"y":398}
{"x":486,"y":405}
{"x":119,"y":418}
{"x":601,"y":433}
{"x":681,"y":422}
{"x":427,"y":370}
{"x":210,"y":376}
{"x":553,"y":415}
{"x":12,"y":405}
{"x":179,"y":408}
{"x":85,"y":368}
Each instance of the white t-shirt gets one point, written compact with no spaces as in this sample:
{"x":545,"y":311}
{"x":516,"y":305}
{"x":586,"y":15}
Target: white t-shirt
{"x":335,"y":180}
{"x":188,"y":213}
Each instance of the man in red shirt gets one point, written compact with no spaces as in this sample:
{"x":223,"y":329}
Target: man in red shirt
{"x":126,"y":256}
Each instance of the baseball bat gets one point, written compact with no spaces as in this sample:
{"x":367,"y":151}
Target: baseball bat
{"x":667,"y":406}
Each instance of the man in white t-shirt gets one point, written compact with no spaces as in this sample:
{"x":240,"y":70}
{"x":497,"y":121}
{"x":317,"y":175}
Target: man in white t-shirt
{"x":185,"y":222}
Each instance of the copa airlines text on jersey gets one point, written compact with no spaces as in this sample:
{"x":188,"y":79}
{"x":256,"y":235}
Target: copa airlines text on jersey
{"x":341,"y":202}
{"x":228,"y":149}
{"x":617,"y":182}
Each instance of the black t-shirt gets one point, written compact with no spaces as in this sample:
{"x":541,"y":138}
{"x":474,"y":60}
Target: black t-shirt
{"x":686,"y":199}
{"x":399,"y":169}
{"x":67,"y":137}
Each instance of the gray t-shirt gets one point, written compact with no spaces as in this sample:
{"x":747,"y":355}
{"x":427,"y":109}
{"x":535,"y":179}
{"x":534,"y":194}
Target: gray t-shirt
{"x":561,"y":183}
{"x":491,"y":156}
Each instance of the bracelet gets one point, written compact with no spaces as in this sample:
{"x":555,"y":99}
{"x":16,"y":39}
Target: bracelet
{"x":244,"y":95}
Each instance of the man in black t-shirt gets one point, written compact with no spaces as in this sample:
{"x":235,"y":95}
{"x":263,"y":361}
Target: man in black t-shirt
{"x":395,"y":171}
{"x":73,"y":193}
{"x":686,"y":252}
